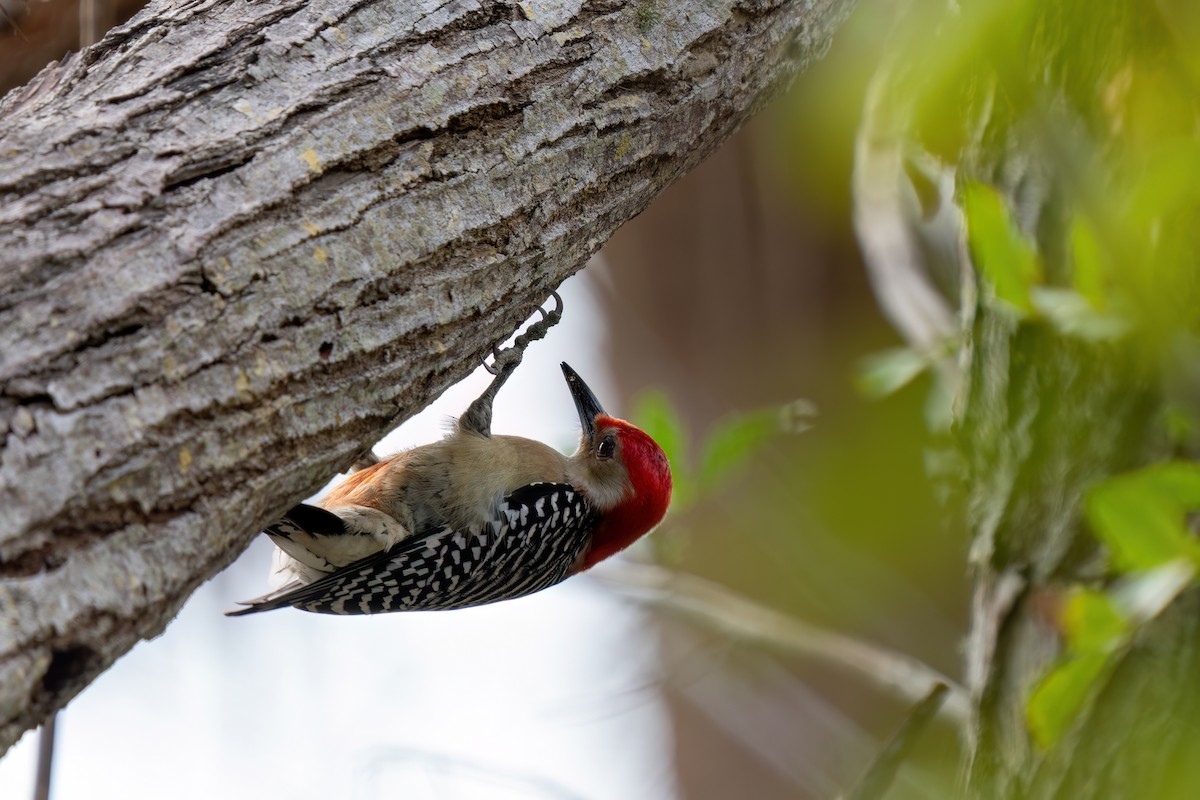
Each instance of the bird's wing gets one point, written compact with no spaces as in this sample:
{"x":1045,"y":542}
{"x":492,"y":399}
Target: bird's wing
{"x":301,"y":525}
{"x":507,"y":556}
{"x":323,"y":541}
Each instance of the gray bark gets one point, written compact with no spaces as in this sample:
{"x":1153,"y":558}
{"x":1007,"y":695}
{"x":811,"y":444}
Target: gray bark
{"x":243,"y":240}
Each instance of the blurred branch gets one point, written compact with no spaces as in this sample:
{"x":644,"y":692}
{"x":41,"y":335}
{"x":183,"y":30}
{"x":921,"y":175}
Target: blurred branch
{"x":716,"y":607}
{"x":89,"y":23}
{"x":908,"y":233}
{"x":453,"y":776}
{"x":45,"y":759}
{"x":879,"y":776}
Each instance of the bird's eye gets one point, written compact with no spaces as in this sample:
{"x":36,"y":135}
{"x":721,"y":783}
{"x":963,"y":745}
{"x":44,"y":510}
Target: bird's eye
{"x":606,"y":448}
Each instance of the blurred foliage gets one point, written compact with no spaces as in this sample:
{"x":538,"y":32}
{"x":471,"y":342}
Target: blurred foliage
{"x":730,"y":442}
{"x":836,"y":527}
{"x":880,"y":374}
{"x":1008,"y":262}
{"x":1073,"y":128}
{"x":1012,"y":270}
{"x":1142,"y":518}
{"x":1098,"y":627}
{"x":1106,"y":98}
{"x":1141,"y":515}
{"x":1095,"y":629}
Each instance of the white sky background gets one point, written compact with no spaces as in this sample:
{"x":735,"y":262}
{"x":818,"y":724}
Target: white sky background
{"x":552,"y":696}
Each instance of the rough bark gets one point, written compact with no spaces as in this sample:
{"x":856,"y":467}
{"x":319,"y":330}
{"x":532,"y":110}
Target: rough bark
{"x":243,"y":240}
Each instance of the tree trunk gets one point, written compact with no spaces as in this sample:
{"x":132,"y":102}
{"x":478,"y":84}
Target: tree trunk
{"x":244,"y":240}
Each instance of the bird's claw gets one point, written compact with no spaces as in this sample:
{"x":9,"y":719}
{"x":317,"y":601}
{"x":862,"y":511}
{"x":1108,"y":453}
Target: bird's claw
{"x":478,"y":416}
{"x":556,"y":314}
{"x":551,"y":317}
{"x":504,"y":360}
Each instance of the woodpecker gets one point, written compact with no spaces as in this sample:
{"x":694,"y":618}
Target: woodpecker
{"x":476,"y":517}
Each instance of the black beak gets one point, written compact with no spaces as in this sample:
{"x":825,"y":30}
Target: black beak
{"x":585,"y":402}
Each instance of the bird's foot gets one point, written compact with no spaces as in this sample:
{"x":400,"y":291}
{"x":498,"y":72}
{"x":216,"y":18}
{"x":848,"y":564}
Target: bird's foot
{"x":504,"y":361}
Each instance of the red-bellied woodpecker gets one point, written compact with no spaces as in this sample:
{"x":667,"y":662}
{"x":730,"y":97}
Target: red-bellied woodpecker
{"x":476,"y":517}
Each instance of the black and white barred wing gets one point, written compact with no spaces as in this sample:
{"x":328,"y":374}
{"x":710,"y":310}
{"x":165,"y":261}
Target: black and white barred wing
{"x":537,"y":533}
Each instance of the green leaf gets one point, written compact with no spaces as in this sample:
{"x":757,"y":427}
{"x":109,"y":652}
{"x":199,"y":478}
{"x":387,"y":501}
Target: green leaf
{"x":999,"y":250}
{"x":1093,"y":623}
{"x":1059,"y":697}
{"x":1140,"y":515}
{"x":1138,"y":528}
{"x":1180,"y":480}
{"x":1097,"y":625}
{"x":880,"y":374}
{"x":732,"y":442}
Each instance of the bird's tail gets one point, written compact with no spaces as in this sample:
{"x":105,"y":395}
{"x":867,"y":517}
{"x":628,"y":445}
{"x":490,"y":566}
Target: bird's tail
{"x":302,"y":521}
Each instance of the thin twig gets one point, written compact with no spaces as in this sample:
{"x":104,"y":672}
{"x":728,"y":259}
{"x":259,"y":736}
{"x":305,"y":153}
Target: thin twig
{"x":879,"y":776}
{"x":12,"y":22}
{"x":88,"y":23}
{"x":45,"y":759}
{"x":717,"y":607}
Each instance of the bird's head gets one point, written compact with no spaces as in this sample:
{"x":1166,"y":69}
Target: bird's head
{"x":623,"y":472}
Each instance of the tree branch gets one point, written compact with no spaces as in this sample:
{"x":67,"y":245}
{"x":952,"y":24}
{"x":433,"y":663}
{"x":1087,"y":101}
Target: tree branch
{"x":717,"y":607}
{"x":244,"y":240}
